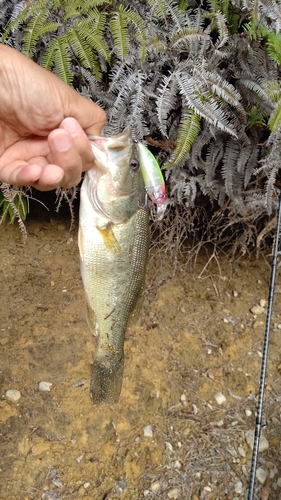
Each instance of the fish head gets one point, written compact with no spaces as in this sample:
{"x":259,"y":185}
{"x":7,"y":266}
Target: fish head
{"x":116,"y":187}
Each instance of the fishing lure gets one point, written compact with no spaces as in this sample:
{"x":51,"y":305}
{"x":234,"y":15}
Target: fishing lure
{"x":153,"y":179}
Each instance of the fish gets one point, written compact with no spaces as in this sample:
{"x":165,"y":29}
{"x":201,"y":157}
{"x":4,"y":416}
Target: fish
{"x":113,"y":241}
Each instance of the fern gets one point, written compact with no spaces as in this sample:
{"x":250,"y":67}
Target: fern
{"x":200,"y":84}
{"x":274,"y":121}
{"x":188,"y":130}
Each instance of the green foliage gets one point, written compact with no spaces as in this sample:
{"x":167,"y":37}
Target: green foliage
{"x":13,"y":204}
{"x":74,"y":34}
{"x":200,"y":80}
{"x":189,"y":128}
{"x":257,"y":31}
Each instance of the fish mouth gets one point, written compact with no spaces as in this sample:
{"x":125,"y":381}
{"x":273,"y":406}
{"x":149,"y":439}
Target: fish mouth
{"x":103,"y":147}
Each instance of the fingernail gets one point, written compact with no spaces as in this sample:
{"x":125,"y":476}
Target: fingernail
{"x":62,"y":142}
{"x":71,"y":126}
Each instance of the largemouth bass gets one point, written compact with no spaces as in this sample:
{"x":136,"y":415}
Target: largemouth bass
{"x":113,"y":244}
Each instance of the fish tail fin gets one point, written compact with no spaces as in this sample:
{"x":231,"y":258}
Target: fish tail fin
{"x":106,"y":381}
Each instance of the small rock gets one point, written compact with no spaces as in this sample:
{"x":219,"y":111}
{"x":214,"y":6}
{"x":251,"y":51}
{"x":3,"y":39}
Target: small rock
{"x":250,"y":436}
{"x":169,"y":447}
{"x":238,"y":487}
{"x":146,"y":493}
{"x":57,"y":482}
{"x":207,"y":488}
{"x":13,"y":395}
{"x":155,"y":487}
{"x":241,"y":451}
{"x":45,"y":386}
{"x":279,"y":482}
{"x":235,"y":294}
{"x":263,"y":303}
{"x":220,"y":423}
{"x":147,"y":431}
{"x":257,"y":324}
{"x":220,"y":398}
{"x":86,"y":485}
{"x":183,"y":398}
{"x":174,"y":493}
{"x":261,"y":475}
{"x":121,"y":486}
{"x":257,"y":309}
{"x":248,"y":412}
{"x":50,"y":495}
{"x":47,"y":247}
{"x":177,"y":464}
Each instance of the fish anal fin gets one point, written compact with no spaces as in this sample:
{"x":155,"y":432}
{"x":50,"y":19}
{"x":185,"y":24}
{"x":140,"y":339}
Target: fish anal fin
{"x":91,"y":320}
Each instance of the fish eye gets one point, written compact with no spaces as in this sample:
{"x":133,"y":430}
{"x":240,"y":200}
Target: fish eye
{"x":134,"y":164}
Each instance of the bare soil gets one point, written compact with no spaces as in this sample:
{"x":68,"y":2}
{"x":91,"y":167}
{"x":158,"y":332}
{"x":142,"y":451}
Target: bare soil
{"x":195,"y":337}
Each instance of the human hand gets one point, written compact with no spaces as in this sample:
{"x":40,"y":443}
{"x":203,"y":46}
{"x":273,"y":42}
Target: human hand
{"x":43,"y":126}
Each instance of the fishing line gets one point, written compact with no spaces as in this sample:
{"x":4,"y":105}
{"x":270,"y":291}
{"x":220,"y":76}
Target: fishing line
{"x":264,"y":358}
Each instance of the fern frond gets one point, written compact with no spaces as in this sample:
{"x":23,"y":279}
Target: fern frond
{"x":204,"y":104}
{"x":20,"y":16}
{"x":223,"y":89}
{"x":274,"y":121}
{"x":254,"y":87}
{"x":221,"y":23}
{"x":188,"y":130}
{"x":187,"y":35}
{"x":273,"y":90}
{"x":229,"y":171}
{"x":118,"y":26}
{"x":62,"y":60}
{"x":93,"y":31}
{"x":37,"y":27}
{"x":119,"y":23}
{"x":166,"y":100}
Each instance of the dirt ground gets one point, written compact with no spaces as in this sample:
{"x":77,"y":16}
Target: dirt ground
{"x":192,"y":367}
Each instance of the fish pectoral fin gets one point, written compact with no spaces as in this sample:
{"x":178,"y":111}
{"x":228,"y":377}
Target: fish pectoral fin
{"x":110,"y":242}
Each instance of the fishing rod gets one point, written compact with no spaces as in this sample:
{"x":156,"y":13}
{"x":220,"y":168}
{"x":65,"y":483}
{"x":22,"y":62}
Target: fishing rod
{"x":264,"y":358}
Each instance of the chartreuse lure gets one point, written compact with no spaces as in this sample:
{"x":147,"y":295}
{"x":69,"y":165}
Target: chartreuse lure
{"x":153,"y":179}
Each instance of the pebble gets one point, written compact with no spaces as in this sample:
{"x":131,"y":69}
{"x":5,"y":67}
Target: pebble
{"x":238,"y":487}
{"x":220,"y":398}
{"x":147,"y":431}
{"x":257,"y":324}
{"x":257,"y":309}
{"x":13,"y":395}
{"x":155,"y":487}
{"x":263,"y":303}
{"x":45,"y":386}
{"x":207,"y":488}
{"x":261,"y":475}
{"x":121,"y":486}
{"x":248,"y":412}
{"x":146,"y":493}
{"x":279,"y":482}
{"x":183,"y":399}
{"x":241,"y":451}
{"x":174,"y":493}
{"x":263,"y":444}
{"x":177,"y":464}
{"x":235,"y":294}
